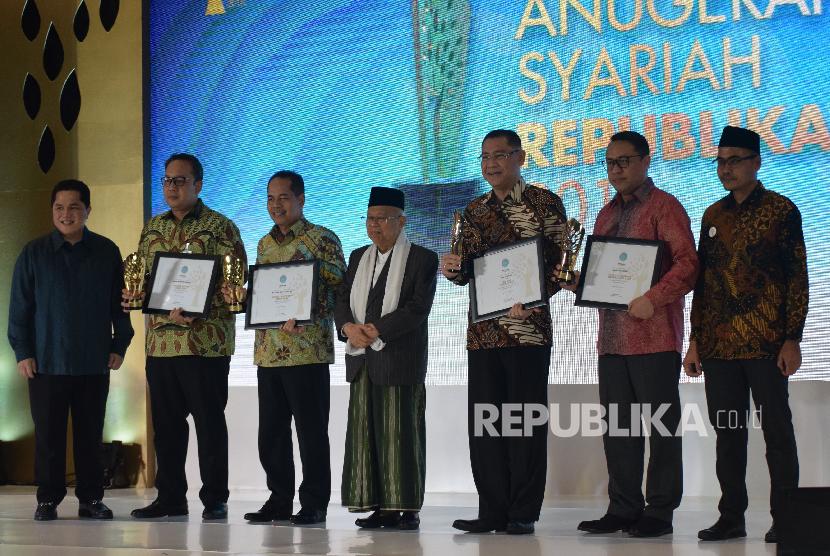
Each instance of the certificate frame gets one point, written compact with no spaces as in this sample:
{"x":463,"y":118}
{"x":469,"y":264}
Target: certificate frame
{"x":651,"y":272}
{"x":208,"y":262}
{"x":311,"y":266}
{"x":538,"y":301}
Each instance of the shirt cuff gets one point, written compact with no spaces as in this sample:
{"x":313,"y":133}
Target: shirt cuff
{"x":378,"y":344}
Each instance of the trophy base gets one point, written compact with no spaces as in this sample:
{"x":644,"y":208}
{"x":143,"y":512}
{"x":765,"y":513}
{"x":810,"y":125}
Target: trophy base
{"x":236,"y":308}
{"x":134,"y":305}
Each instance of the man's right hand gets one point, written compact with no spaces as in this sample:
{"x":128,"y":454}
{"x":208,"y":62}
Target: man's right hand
{"x":572,"y":287}
{"x":356,"y":335}
{"x":27,"y":368}
{"x":228,"y":289}
{"x":691,"y":363}
{"x":127,"y":296}
{"x":450,"y":265}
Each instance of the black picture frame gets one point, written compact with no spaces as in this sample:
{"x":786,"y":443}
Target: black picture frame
{"x":656,"y":270}
{"x":252,"y":272}
{"x":208,"y":303}
{"x":475,"y":315}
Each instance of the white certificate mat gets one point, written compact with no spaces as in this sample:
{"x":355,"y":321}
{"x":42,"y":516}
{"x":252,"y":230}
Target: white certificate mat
{"x":280,"y":292}
{"x":182,"y":280}
{"x":507,"y":275}
{"x":615,"y":271}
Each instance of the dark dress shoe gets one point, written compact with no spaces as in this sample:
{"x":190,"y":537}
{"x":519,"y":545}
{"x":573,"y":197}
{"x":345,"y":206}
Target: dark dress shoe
{"x":216,"y":511}
{"x":772,"y":535}
{"x":410,"y":521}
{"x":520,"y":528}
{"x":94,"y":510}
{"x":722,"y":530}
{"x":46,"y":511}
{"x":308,"y":517}
{"x":477,"y":525}
{"x":648,"y":526}
{"x":378,"y":519}
{"x":609,"y":523}
{"x":158,"y":509}
{"x":269,"y":511}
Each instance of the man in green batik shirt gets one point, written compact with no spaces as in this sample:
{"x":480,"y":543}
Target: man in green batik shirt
{"x":293,"y":363}
{"x":188,"y":360}
{"x":381,"y":314}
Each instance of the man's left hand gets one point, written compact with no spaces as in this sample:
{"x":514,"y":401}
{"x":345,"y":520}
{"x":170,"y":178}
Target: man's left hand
{"x":641,"y":308}
{"x":115,"y":361}
{"x":518,"y":312}
{"x":789,"y":358}
{"x":370,"y":330}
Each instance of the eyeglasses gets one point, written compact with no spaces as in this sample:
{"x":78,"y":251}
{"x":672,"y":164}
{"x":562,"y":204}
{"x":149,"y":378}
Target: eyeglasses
{"x":485,"y":157}
{"x":379,"y":219}
{"x":732,"y":161}
{"x":621,"y":162}
{"x":176,"y":181}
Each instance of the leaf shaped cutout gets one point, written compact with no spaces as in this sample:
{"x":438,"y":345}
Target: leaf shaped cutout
{"x":30,"y":20}
{"x":81,"y":22}
{"x":52,"y":53}
{"x":31,"y":96}
{"x":70,"y":101}
{"x":46,"y":150}
{"x":108,"y":13}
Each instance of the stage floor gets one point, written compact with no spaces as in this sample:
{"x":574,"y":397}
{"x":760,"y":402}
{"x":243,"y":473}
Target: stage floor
{"x":555,"y":533}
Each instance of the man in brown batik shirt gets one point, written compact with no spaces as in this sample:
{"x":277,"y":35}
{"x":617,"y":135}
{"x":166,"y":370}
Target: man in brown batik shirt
{"x":748,"y":315}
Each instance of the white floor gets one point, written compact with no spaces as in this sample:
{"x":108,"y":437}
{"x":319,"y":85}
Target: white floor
{"x":555,"y":533}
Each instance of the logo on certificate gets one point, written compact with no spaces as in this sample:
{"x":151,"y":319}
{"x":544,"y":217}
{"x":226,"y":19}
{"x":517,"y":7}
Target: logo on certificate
{"x":283,"y":279}
{"x":623,"y":256}
{"x":185,"y":269}
{"x":505,"y":263}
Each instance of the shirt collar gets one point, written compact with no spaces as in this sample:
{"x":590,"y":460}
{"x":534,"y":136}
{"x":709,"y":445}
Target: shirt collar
{"x":295,"y":230}
{"x":195,"y":212}
{"x":753,"y":197}
{"x":58,"y":241}
{"x":640,"y":194}
{"x":515,"y":194}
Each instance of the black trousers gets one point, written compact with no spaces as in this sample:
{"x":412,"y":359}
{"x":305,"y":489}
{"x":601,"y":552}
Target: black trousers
{"x":642,"y":379}
{"x":300,"y":392}
{"x":728,"y":386}
{"x":182,"y":386}
{"x":51,"y":399}
{"x":509,"y":471}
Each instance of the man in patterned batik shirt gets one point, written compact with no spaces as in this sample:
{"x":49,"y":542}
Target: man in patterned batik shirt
{"x":293,"y":363}
{"x":638,"y":363}
{"x":748,"y":315}
{"x":508,"y":357}
{"x":188,"y":359}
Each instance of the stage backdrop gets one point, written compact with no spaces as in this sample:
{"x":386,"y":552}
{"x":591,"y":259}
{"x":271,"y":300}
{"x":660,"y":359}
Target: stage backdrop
{"x":354,"y":94}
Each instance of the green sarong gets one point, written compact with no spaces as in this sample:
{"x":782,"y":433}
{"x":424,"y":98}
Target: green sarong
{"x":385,"y":462}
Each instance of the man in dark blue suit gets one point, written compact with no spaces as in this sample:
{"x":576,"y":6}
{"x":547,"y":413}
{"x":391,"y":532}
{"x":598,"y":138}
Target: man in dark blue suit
{"x":381,"y":314}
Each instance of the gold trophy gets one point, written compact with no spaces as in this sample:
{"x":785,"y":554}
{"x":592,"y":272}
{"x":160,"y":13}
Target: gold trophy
{"x":571,"y":244}
{"x":234,"y":276}
{"x":134,"y":280}
{"x":455,"y":237}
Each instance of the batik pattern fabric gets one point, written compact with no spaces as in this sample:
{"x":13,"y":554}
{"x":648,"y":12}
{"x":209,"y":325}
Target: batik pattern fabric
{"x":527,"y":212}
{"x":202,"y":231}
{"x":753,"y":290}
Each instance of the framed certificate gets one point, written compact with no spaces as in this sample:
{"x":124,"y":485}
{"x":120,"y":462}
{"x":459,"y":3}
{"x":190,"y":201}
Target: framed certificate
{"x":616,"y":270}
{"x":505,"y":275}
{"x":181,"y":280}
{"x":281,"y":291}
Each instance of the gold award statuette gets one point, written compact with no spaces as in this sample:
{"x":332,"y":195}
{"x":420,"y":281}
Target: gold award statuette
{"x":134,"y":280}
{"x":234,"y":276}
{"x":571,"y":244}
{"x":455,"y":237}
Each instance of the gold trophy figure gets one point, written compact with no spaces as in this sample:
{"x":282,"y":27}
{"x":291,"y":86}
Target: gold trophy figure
{"x":571,"y":244}
{"x":456,"y":247}
{"x":134,"y":280}
{"x":234,"y":276}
